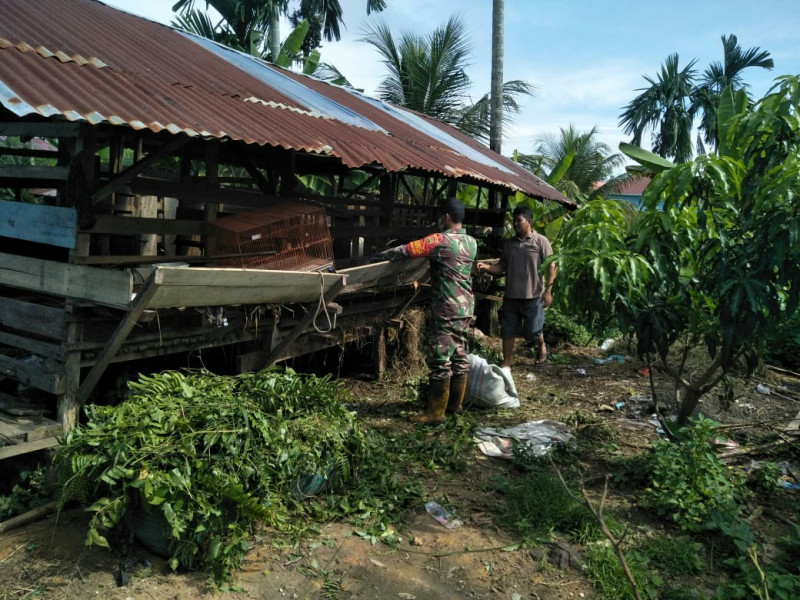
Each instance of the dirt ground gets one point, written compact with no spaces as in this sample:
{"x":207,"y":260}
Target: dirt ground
{"x":48,"y":559}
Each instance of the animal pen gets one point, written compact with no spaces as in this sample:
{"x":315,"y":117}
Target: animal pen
{"x":162,"y":194}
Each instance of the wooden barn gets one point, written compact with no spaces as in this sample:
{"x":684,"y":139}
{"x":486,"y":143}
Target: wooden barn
{"x":162,"y":194}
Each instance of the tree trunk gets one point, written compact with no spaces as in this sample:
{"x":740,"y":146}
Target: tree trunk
{"x":496,"y":99}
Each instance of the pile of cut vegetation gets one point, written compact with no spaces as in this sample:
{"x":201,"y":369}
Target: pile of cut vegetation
{"x":199,"y":459}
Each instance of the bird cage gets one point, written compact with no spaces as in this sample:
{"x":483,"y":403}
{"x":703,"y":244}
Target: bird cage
{"x":284,"y":237}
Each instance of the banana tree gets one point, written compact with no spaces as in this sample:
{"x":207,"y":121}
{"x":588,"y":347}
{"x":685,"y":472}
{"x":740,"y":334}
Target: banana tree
{"x":713,"y":257}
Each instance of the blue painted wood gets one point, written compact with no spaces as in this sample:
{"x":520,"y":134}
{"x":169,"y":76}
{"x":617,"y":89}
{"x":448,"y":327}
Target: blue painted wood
{"x":53,"y":225}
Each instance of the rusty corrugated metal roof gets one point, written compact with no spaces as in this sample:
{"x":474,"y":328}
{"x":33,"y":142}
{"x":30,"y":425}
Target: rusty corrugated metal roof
{"x":83,"y":60}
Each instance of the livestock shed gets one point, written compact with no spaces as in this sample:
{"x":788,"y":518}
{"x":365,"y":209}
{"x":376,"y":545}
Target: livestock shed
{"x":162,"y":194}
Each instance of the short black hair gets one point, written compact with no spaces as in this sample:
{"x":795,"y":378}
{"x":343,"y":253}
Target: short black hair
{"x":524,"y":211}
{"x":453,"y":207}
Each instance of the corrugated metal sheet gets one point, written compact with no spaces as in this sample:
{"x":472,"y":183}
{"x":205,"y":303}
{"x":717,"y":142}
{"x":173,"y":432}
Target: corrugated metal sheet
{"x":83,"y":60}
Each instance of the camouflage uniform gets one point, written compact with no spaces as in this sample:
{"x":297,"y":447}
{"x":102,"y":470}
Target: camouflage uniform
{"x":452,"y":254}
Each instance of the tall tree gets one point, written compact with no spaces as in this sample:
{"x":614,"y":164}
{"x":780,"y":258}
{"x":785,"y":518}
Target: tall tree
{"x":592,"y":161}
{"x":428,"y":74}
{"x":253,"y":25}
{"x":496,"y":120}
{"x":665,"y":108}
{"x":720,"y":75}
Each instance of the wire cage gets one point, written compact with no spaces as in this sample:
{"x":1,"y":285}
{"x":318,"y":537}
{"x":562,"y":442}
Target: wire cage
{"x":284,"y":237}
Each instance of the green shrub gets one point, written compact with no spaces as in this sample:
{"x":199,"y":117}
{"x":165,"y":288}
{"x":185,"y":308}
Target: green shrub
{"x":536,"y":504}
{"x":688,"y":482}
{"x":605,"y":573}
{"x":214,"y":455}
{"x":675,"y":556}
{"x":560,"y":327}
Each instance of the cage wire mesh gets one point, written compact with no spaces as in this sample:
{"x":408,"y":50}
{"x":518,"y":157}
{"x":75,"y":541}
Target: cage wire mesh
{"x":285,"y":237}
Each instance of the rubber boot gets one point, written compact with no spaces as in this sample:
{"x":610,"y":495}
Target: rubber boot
{"x":438,"y":395}
{"x":458,"y":389}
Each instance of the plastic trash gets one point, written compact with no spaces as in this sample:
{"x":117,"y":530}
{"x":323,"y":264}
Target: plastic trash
{"x":607,"y":343}
{"x":535,"y":437}
{"x":441,"y":514}
{"x":581,"y":372}
{"x":763,"y":389}
{"x":614,"y":357}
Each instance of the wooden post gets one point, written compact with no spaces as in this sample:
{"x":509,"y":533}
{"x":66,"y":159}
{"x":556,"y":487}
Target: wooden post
{"x":68,"y":404}
{"x":379,"y":351}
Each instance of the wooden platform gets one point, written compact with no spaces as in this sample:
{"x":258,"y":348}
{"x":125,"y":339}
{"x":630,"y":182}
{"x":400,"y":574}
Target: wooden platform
{"x":24,"y":429}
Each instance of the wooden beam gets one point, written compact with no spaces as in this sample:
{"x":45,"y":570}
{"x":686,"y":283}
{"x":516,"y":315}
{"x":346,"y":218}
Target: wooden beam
{"x":117,"y":339}
{"x":40,"y":129}
{"x":32,"y":374}
{"x":119,"y":225}
{"x":204,"y":286}
{"x":31,"y":345}
{"x":30,"y":175}
{"x":25,"y":447}
{"x":301,"y":326}
{"x":385,"y":273}
{"x":52,"y":225}
{"x":101,"y":286}
{"x":33,"y":318}
{"x":131,"y":172}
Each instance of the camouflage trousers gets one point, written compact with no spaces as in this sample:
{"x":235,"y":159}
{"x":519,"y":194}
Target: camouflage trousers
{"x":447,"y":347}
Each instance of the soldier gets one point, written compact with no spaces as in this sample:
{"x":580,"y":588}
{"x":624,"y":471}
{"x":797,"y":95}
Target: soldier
{"x":451,"y":254}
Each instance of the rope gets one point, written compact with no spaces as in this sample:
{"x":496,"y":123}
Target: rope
{"x":323,"y":307}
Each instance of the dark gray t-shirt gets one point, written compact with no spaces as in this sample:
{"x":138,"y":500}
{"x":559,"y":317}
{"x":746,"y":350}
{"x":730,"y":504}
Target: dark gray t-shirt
{"x":521,"y":261}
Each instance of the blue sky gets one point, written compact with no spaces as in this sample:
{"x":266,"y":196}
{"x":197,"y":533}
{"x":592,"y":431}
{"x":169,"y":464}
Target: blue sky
{"x":587,"y":58}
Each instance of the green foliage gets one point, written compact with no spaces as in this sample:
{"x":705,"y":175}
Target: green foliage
{"x":537,"y":505}
{"x":217,"y":454}
{"x":27,"y":492}
{"x":713,"y":257}
{"x":675,"y":557}
{"x":559,"y":326}
{"x":689,"y":483}
{"x":764,"y":478}
{"x":605,"y":572}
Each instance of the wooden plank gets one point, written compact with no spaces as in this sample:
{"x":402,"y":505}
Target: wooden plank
{"x":113,"y":224}
{"x":52,"y":225}
{"x":115,"y":341}
{"x":34,"y":318}
{"x":30,"y":345}
{"x":32,"y":374}
{"x":101,"y":286}
{"x":131,"y":172}
{"x":398,"y":272}
{"x":24,"y":448}
{"x":39,"y":129}
{"x":205,"y":286}
{"x":33,"y":173}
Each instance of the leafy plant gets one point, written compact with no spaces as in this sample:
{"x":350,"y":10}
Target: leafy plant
{"x":27,"y":492}
{"x":689,"y":483}
{"x":537,"y":505}
{"x":711,"y":260}
{"x":674,"y":556}
{"x":605,"y":572}
{"x":213,"y":455}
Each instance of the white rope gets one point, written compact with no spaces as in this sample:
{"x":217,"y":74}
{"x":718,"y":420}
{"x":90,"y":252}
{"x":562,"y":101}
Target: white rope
{"x":323,"y":307}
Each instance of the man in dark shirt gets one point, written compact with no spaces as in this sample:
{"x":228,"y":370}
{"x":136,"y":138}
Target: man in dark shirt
{"x":526,"y":294}
{"x":452,"y":254}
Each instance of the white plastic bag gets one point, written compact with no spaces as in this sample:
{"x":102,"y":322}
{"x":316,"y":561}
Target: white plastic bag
{"x":490,"y":386}
{"x":537,"y":437}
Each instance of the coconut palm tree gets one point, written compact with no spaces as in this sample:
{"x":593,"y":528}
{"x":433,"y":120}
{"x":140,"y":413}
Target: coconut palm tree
{"x":588,"y":161}
{"x":496,"y":102}
{"x":428,"y":74}
{"x":252,"y":25}
{"x":665,"y":108}
{"x":720,"y":75}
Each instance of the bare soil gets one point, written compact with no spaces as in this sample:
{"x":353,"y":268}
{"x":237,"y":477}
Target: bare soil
{"x":48,"y":559}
